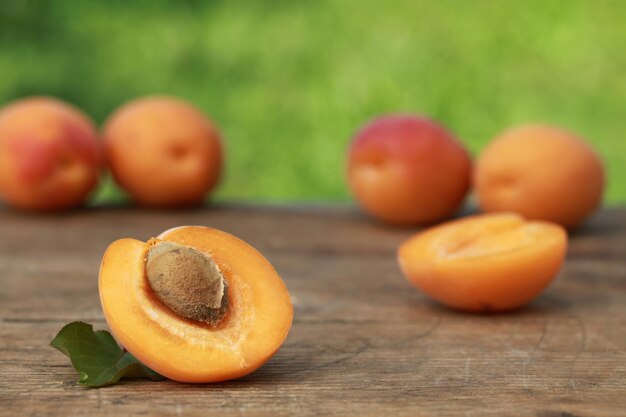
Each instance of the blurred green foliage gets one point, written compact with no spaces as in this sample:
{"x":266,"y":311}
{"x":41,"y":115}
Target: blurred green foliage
{"x":289,"y":82}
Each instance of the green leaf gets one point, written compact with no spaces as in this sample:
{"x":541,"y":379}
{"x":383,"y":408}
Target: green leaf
{"x":97,"y":357}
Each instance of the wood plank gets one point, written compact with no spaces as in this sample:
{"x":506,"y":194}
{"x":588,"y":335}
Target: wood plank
{"x":364,"y":342}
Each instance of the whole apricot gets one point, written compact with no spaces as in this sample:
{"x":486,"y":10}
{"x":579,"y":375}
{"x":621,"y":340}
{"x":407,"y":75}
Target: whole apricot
{"x":406,"y":169}
{"x":541,"y":172}
{"x":50,"y":156}
{"x":163,"y":151}
{"x":484,"y":263}
{"x":194,"y":304}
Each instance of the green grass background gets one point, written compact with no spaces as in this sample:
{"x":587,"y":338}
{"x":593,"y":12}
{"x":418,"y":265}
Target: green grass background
{"x":289,"y":82}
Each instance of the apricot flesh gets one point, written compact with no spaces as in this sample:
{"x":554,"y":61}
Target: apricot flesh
{"x":486,"y":263}
{"x":256,"y":323}
{"x":541,"y":172}
{"x":405,"y":169}
{"x":50,"y":155}
{"x":163,"y":151}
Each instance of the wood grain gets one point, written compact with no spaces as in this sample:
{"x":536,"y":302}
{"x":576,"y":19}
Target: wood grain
{"x":363,"y":342}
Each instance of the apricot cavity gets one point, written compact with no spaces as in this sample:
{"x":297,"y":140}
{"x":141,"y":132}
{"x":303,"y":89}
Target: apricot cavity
{"x":408,"y":170}
{"x":542,"y":173}
{"x":491,"y":262}
{"x":194,"y":304}
{"x":163,"y":151}
{"x":50,"y":156}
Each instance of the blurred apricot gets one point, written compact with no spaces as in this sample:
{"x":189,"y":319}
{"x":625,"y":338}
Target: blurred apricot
{"x":50,"y":156}
{"x":163,"y":151}
{"x":542,"y":173}
{"x":405,"y":169}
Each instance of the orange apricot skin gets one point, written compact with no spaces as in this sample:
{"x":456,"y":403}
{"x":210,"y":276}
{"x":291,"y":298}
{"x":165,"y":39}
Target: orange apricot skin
{"x":258,"y":321}
{"x":50,"y":155}
{"x":405,"y":169}
{"x":541,"y":172}
{"x":164,"y":152}
{"x":497,"y":281}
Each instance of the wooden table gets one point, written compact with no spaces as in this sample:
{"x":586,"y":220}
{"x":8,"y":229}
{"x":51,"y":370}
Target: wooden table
{"x":364,"y":342}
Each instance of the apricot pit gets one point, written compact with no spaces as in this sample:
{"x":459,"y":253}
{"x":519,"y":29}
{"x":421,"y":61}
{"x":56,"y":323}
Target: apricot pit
{"x":187,"y":281}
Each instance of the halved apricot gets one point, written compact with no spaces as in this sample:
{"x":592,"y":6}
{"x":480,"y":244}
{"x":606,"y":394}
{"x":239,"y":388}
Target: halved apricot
{"x":491,"y":262}
{"x":207,"y":308}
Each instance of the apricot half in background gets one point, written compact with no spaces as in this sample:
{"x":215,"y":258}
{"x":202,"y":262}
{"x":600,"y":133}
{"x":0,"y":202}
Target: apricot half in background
{"x":487,"y":263}
{"x":194,"y":304}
